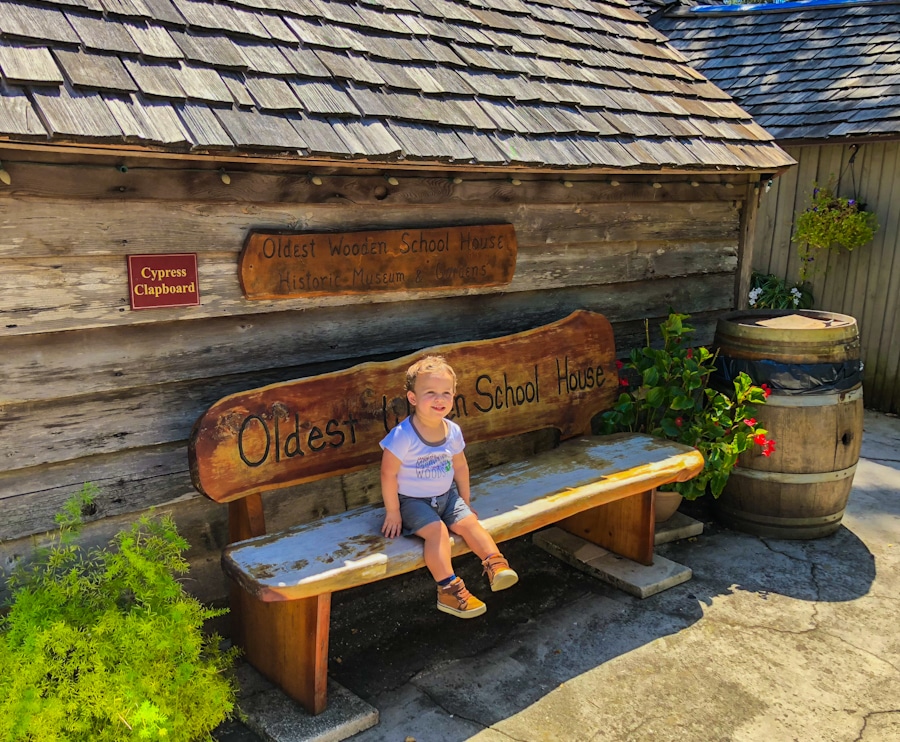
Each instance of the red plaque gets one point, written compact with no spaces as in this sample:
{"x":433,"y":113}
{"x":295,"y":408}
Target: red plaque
{"x":163,"y":281}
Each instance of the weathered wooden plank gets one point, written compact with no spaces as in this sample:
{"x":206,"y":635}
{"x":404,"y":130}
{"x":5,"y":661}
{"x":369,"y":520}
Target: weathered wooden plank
{"x":43,"y":295}
{"x":69,"y":428}
{"x":137,"y":479}
{"x":152,"y":180}
{"x":558,"y":376}
{"x":32,"y":229}
{"x":49,"y":366}
{"x":511,"y":500}
{"x":286,"y":264}
{"x":64,"y":293}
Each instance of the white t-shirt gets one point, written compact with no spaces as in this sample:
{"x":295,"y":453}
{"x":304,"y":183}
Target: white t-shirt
{"x":426,"y":470}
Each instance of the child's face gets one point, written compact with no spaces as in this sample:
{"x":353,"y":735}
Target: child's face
{"x":432,"y":395}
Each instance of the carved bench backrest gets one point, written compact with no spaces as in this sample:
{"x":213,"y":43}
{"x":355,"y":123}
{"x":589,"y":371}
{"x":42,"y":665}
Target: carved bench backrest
{"x":555,"y":376}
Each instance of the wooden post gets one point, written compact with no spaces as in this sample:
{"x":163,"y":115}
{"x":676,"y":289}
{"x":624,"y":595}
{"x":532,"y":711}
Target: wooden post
{"x":745,"y":246}
{"x":626,"y":526}
{"x":288,"y":643}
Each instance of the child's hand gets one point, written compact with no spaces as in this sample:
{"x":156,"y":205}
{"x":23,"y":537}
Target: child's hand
{"x":392,"y":525}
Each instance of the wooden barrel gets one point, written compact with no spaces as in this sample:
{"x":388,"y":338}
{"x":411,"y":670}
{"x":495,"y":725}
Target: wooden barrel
{"x":814,"y":414}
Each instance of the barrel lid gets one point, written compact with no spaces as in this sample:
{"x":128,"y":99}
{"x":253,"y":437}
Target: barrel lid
{"x":802,"y":336}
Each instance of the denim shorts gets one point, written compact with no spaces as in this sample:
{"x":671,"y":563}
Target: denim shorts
{"x":418,"y":512}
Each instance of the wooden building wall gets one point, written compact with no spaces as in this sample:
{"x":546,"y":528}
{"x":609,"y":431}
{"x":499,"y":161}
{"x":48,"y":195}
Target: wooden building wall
{"x":865,"y":283}
{"x":93,"y":391}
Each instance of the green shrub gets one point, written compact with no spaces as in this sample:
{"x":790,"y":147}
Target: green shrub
{"x":106,"y":645}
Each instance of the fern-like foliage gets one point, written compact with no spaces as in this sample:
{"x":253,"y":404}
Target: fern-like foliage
{"x":106,"y":645}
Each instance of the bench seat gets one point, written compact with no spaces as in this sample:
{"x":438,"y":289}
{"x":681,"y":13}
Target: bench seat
{"x":346,"y":550}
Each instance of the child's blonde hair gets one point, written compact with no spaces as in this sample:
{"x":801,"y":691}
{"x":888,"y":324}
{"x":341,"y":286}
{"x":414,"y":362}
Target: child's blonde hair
{"x":428,"y":365}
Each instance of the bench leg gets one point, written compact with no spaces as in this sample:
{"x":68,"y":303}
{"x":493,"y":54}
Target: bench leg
{"x":625,"y":526}
{"x":287,"y":642}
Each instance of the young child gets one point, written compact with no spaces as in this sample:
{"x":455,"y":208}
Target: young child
{"x":425,"y":486}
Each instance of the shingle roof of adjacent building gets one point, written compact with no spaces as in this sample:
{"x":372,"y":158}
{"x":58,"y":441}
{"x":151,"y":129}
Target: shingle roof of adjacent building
{"x":805,"y":71}
{"x":544,"y":83}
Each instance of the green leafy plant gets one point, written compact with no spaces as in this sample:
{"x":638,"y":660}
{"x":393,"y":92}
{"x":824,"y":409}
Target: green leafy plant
{"x":105,"y":644}
{"x":768,"y":291}
{"x":830,"y":222}
{"x":668,"y":395}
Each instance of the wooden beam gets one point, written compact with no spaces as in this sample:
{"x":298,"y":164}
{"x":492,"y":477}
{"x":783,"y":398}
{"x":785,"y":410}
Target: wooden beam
{"x":624,"y":526}
{"x":288,"y":643}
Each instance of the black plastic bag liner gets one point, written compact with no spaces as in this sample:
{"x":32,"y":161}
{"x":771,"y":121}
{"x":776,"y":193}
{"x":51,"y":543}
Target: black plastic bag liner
{"x":790,"y":378}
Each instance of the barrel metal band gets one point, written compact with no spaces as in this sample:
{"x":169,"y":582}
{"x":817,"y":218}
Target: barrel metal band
{"x":819,"y":400}
{"x":788,"y":478}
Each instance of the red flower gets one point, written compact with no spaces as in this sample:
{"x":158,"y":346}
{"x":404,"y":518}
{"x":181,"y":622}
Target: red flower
{"x":766,"y":390}
{"x":751,"y":421}
{"x":760,"y":440}
{"x":623,"y":382}
{"x":766,"y":452}
{"x":690,"y":353}
{"x":619,"y":364}
{"x":679,"y":421}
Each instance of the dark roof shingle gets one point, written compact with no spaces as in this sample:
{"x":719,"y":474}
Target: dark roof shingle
{"x":804,"y":72}
{"x":544,"y":83}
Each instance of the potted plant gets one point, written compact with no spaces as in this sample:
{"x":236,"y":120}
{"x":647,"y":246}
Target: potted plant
{"x":106,"y":645}
{"x":666,"y":393}
{"x":830,"y":222}
{"x":768,"y":291}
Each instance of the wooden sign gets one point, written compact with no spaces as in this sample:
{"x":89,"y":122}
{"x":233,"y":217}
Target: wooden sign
{"x":555,"y":376}
{"x":283,"y":265}
{"x":163,"y":281}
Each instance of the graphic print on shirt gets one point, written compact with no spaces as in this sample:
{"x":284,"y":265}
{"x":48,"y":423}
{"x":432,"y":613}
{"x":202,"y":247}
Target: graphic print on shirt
{"x":432,"y":466}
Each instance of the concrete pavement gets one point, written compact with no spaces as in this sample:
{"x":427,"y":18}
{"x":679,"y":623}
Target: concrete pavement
{"x":772,"y":640}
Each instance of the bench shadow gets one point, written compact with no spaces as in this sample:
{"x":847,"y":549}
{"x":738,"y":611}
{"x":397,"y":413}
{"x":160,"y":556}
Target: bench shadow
{"x":558,"y":622}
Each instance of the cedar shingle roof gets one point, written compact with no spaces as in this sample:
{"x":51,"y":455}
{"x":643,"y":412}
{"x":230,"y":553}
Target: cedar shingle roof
{"x":561,"y":83}
{"x":804,"y":71}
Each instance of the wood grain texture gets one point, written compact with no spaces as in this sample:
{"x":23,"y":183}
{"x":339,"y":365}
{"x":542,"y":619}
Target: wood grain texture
{"x":286,"y":265}
{"x":64,"y":428}
{"x":864,"y":283}
{"x":288,"y":643}
{"x":62,"y":365}
{"x":624,"y":526}
{"x":155,"y":180}
{"x":78,"y":278}
{"x":347,"y":550}
{"x":558,"y":375}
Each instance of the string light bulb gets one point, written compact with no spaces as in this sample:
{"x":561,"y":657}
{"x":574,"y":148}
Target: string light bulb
{"x":122,"y":168}
{"x":614,"y":183}
{"x":567,"y":183}
{"x":457,"y":180}
{"x":224,"y":177}
{"x":392,"y":180}
{"x":4,"y":175}
{"x":515,"y":181}
{"x":657,"y":185}
{"x":695,"y":184}
{"x":315,"y":180}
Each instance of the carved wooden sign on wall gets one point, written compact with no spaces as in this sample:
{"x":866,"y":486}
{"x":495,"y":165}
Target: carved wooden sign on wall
{"x":284,"y":265}
{"x":558,"y":375}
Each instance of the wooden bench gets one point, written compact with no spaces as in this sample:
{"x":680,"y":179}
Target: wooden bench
{"x":559,"y":375}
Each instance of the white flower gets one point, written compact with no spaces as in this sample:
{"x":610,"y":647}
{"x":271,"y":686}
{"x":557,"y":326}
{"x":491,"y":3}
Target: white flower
{"x":796,"y":292}
{"x":754,"y":296}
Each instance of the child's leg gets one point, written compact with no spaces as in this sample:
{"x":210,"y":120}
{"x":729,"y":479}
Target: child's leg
{"x":475,"y":536}
{"x":437,"y":550}
{"x":497,"y":569}
{"x":452,"y":595}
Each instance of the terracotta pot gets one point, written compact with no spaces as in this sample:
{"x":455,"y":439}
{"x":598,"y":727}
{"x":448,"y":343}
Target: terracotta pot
{"x":665,"y":504}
